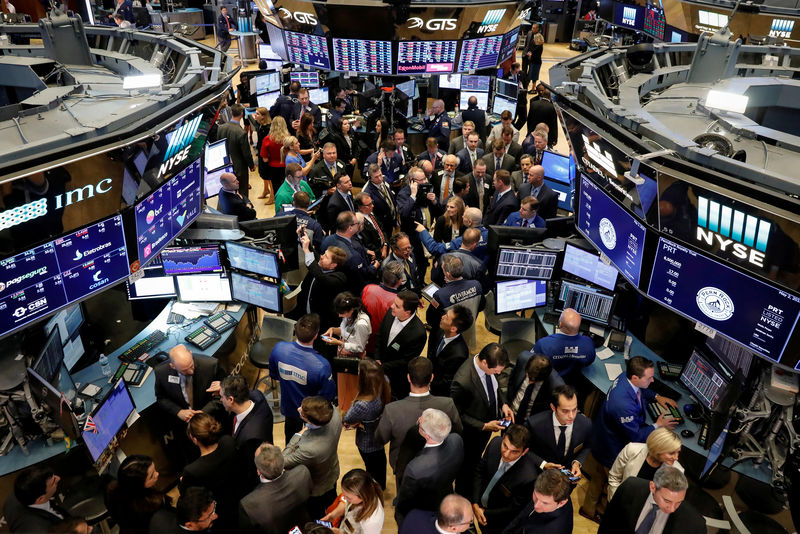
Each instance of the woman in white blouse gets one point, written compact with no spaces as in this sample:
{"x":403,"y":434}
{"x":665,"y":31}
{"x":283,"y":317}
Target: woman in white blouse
{"x":355,"y":329}
{"x":361,"y":504}
{"x":643,"y":459}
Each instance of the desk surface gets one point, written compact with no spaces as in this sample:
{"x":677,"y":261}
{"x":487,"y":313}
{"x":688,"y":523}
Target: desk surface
{"x":143,"y":397}
{"x":596,"y":373}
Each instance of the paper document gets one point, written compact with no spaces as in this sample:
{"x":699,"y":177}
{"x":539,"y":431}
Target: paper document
{"x":604,"y":353}
{"x":613,"y":370}
{"x":597,"y":330}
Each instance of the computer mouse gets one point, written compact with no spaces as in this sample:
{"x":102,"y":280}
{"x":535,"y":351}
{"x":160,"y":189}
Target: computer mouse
{"x":158,"y":358}
{"x":686,"y":433}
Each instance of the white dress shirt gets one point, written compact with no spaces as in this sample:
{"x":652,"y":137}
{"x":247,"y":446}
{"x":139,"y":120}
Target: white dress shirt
{"x":397,"y":326}
{"x":661,"y":517}
{"x":481,"y":376}
{"x":240,"y":417}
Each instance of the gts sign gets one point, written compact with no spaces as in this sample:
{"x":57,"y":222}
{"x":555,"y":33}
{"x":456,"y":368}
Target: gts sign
{"x":298,"y":16}
{"x":432,"y":24}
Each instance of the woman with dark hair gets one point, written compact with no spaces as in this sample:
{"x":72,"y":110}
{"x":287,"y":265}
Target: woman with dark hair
{"x":355,"y":329}
{"x":361,"y":504}
{"x":307,"y":134}
{"x":449,"y":225}
{"x":132,"y":498}
{"x":365,"y":413}
{"x":346,"y":145}
{"x":263,"y":121}
{"x":381,"y":134}
{"x":216,"y":469}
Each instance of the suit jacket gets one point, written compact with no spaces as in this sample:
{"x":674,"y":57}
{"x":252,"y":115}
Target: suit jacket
{"x":514,"y":150}
{"x":429,"y":477}
{"x":251,"y":432}
{"x":511,"y":492}
{"x":499,"y":209}
{"x":320,"y":178}
{"x":220,"y":472}
{"x":316,"y":449}
{"x":169,"y":394}
{"x":275,"y":507}
{"x":507,"y":163}
{"x":517,"y":179}
{"x":419,"y":522}
{"x":471,"y":199}
{"x":238,"y":147}
{"x":436,"y":159}
{"x":318,"y":297}
{"x":542,"y":401}
{"x":25,"y":519}
{"x":358,"y":268}
{"x":401,"y":415}
{"x":394,"y":357}
{"x":165,"y":521}
{"x":457,"y":144}
{"x":465,"y":163}
{"x":391,"y":170}
{"x":469,"y":395}
{"x":233,"y":204}
{"x":336,"y":205}
{"x":298,"y":111}
{"x":371,"y":238}
{"x":414,"y":280}
{"x":628,"y":463}
{"x":528,"y":521}
{"x":543,"y":439}
{"x":548,"y":199}
{"x":543,"y":111}
{"x":622,"y":513}
{"x":446,"y":363}
{"x":385,"y":212}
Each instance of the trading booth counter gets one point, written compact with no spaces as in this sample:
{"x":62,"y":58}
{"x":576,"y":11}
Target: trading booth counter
{"x":597,"y":375}
{"x":143,"y":397}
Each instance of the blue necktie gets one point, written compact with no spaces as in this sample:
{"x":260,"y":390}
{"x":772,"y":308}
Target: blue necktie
{"x":648,"y":521}
{"x":441,"y":346}
{"x":501,"y":470}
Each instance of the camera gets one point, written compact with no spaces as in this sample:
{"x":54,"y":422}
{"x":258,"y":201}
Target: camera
{"x":424,"y":189}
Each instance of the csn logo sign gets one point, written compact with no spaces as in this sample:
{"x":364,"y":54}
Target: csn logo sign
{"x":298,"y":16}
{"x":432,"y":24}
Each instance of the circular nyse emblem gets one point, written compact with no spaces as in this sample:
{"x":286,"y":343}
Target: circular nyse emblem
{"x":607,"y":234}
{"x":715,"y":303}
{"x":150,"y":216}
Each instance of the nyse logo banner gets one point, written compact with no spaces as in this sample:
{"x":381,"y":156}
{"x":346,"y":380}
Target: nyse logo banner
{"x":732,"y":231}
{"x":491,"y":20}
{"x":179,"y":145}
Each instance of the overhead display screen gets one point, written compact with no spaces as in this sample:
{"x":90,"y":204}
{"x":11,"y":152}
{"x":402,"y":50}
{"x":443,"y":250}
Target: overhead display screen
{"x":307,"y":49}
{"x":479,"y":84}
{"x":421,"y":57}
{"x":654,"y":21}
{"x":46,"y":278}
{"x":480,"y":53}
{"x":629,"y":16}
{"x":357,"y":55}
{"x":611,"y":229}
{"x":509,"y":44}
{"x":734,"y":304}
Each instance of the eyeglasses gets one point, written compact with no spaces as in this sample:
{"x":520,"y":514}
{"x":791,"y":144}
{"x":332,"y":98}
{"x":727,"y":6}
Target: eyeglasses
{"x":211,"y":515}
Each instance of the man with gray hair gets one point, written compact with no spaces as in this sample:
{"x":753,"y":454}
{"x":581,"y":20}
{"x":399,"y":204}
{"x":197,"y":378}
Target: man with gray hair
{"x":454,"y":516}
{"x":285,"y":491}
{"x":655,"y":507}
{"x":429,"y":477}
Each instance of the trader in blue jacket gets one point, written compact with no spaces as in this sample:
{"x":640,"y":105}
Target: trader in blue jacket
{"x":622,"y":421}
{"x":568,"y":350}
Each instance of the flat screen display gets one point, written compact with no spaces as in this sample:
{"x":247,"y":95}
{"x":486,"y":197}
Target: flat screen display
{"x":506,"y":88}
{"x":256,"y":292}
{"x":216,"y":155}
{"x":516,"y":295}
{"x":252,"y":259}
{"x":476,"y":84}
{"x":509,"y":44}
{"x":265,"y":51}
{"x":703,"y":381}
{"x":211,"y":184}
{"x":516,"y":262}
{"x":267,"y":100}
{"x":556,"y":167}
{"x":189,"y":260}
{"x":319,"y":96}
{"x":426,"y":57}
{"x":483,"y":99}
{"x":611,"y":229}
{"x":203,"y":288}
{"x":407,"y":88}
{"x":265,"y":83}
{"x":481,"y":53}
{"x":629,"y":16}
{"x":450,"y":81}
{"x":305,"y":78}
{"x":595,"y":305}
{"x":654,"y":21}
{"x":311,"y":50}
{"x":588,"y":266}
{"x":738,"y":306}
{"x":501,"y":104}
{"x":50,"y":357}
{"x":359,"y":55}
{"x":108,"y":419}
{"x":154,"y":285}
{"x":129,"y":187}
{"x":50,"y":398}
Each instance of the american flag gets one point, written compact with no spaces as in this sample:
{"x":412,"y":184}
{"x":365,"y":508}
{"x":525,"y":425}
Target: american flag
{"x":90,"y":425}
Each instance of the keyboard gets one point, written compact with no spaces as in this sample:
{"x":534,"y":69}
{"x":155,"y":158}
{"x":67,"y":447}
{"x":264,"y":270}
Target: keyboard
{"x":664,"y":390}
{"x":202,"y":337}
{"x":221,"y":322}
{"x":143,"y":346}
{"x":655,"y":410}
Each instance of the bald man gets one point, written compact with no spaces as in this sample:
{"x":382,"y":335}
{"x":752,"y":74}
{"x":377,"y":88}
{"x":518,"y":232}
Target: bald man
{"x":231,"y":202}
{"x":187,"y":384}
{"x":568,"y":350}
{"x":454,"y":516}
{"x":535,"y":187}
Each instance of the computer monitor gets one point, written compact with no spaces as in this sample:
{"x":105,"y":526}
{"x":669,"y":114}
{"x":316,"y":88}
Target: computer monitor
{"x":190,"y":260}
{"x":522,"y":262}
{"x":256,"y":292}
{"x":203,"y":288}
{"x":474,"y":83}
{"x":516,"y":295}
{"x":268,"y":82}
{"x":216,"y":155}
{"x":254,"y":260}
{"x":589,"y":266}
{"x":556,"y":167}
{"x":276,"y":232}
{"x":211,"y":184}
{"x":265,"y":52}
{"x":48,"y":362}
{"x":703,"y":380}
{"x":513,"y":236}
{"x":50,"y":399}
{"x":408,"y":88}
{"x":68,"y":321}
{"x":595,"y":305}
{"x":319,"y":96}
{"x":154,"y":285}
{"x":736,"y":357}
{"x":305,"y":78}
{"x":501,"y":104}
{"x":450,"y":81}
{"x":266,"y":100}
{"x":272,"y":64}
{"x":506,"y":88}
{"x":108,"y":418}
{"x":482,"y":98}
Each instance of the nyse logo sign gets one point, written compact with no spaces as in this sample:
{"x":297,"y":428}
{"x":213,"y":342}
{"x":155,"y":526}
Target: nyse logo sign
{"x":179,"y":145}
{"x":491,"y":20}
{"x":733,"y":231}
{"x":432,"y":24}
{"x":596,"y":154}
{"x":298,"y":16}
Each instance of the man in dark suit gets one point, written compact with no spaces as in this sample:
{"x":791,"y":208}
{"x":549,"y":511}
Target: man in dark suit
{"x":535,"y":187}
{"x":322,"y":173}
{"x":391,"y":163}
{"x":550,"y":511}
{"x":224,"y":26}
{"x":342,"y":199}
{"x":401,"y":337}
{"x":325,"y":280}
{"x":238,"y":148}
{"x":383,"y":197}
{"x":401,"y":250}
{"x":561,"y":438}
{"x":231,"y":201}
{"x":521,"y":113}
{"x":658,"y":503}
{"x":438,"y":124}
{"x":444,"y":178}
{"x":401,"y":416}
{"x":285,"y":104}
{"x":480,"y":186}
{"x":196,"y":511}
{"x":432,"y":153}
{"x":251,"y":422}
{"x":413,"y":206}
{"x":359,"y":267}
{"x":458,"y":144}
{"x":513,"y":148}
{"x":300,"y":203}
{"x":469,"y":154}
{"x":371,"y":234}
{"x":428,"y":478}
{"x":447,"y":348}
{"x":503,"y":480}
{"x":535,"y":145}
{"x":543,"y":110}
{"x":498,"y":155}
{"x":480,"y":404}
{"x":454,"y":516}
{"x":186,"y":384}
{"x":531,"y":385}
{"x":286,"y":492}
{"x":304,"y":105}
{"x":504,"y":202}
{"x":402,"y":150}
{"x":476,"y":116}
{"x":520,"y":176}
{"x":31,"y":507}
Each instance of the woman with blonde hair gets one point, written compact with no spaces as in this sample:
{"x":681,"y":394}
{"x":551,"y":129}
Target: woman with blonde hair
{"x":263,"y":120}
{"x":449,"y":225}
{"x":643,"y":459}
{"x":271,"y":153}
{"x":361,"y":504}
{"x":291,"y":154}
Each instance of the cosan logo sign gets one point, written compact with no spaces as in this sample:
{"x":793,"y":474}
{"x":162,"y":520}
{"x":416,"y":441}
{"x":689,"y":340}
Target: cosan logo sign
{"x":491,"y":20}
{"x":298,"y":16}
{"x":432,"y":24}
{"x":179,"y":145}
{"x":736,"y":233}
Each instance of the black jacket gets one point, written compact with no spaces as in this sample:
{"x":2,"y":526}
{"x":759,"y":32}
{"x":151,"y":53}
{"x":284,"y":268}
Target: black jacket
{"x":233,"y":204}
{"x":169,"y":395}
{"x":446,"y":364}
{"x":394,"y":357}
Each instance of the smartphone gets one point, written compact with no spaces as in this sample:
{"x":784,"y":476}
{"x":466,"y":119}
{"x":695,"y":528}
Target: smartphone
{"x":505,"y":423}
{"x":570,"y":476}
{"x":326,"y":338}
{"x":325,"y":523}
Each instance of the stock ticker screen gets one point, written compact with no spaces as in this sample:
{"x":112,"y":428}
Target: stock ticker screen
{"x":479,"y":53}
{"x":307,"y":49}
{"x":421,"y":57}
{"x":358,"y":55}
{"x":654,"y":21}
